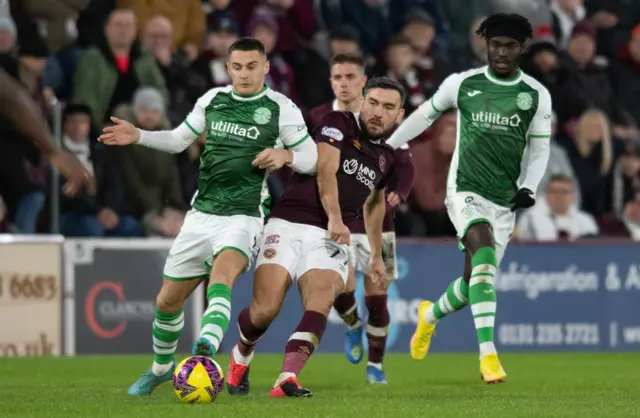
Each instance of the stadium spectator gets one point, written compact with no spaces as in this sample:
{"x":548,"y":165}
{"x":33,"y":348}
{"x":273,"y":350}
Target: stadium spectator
{"x":399,"y":64}
{"x":592,"y":154}
{"x":210,"y":68}
{"x":474,"y":53}
{"x":151,"y":178}
{"x":565,"y":14}
{"x":614,"y":20}
{"x":541,"y":60}
{"x":626,"y":75}
{"x":558,"y":165}
{"x":187,"y":20}
{"x":280,"y":78}
{"x":556,"y":217}
{"x":108,"y":74}
{"x":537,"y":11}
{"x":217,"y":8}
{"x":419,"y":28}
{"x":56,"y":20}
{"x":626,"y":188}
{"x":461,"y":15}
{"x":104,"y":213}
{"x":344,"y":39}
{"x":174,"y":65}
{"x":586,"y":84}
{"x":432,"y":153}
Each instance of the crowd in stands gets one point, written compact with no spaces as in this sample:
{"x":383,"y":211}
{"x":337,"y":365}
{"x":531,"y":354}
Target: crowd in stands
{"x":147,"y":61}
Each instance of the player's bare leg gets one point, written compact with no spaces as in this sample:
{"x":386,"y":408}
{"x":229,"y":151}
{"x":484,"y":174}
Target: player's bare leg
{"x":270,"y":286}
{"x":226,"y":267}
{"x":167,"y":328}
{"x":347,"y":308}
{"x":318,"y":289}
{"x":377,"y":329}
{"x":479,"y":243}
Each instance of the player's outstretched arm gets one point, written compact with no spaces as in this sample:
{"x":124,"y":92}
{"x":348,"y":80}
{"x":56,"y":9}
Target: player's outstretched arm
{"x":328,"y":164}
{"x":123,"y":133}
{"x":427,"y":113}
{"x":374,"y":210}
{"x":18,"y":108}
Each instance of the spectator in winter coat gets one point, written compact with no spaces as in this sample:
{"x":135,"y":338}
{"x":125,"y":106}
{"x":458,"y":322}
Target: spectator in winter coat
{"x":626,"y":75}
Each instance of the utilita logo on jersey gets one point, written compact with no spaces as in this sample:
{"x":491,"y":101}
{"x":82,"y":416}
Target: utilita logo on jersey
{"x":364,"y":175}
{"x":495,"y":121}
{"x":234,"y":131}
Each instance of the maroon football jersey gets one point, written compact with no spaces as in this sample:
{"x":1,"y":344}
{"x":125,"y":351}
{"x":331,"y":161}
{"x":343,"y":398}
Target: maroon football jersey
{"x":364,"y":165}
{"x":317,"y":114}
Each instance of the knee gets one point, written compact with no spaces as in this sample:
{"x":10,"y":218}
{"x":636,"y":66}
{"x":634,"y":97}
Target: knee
{"x":262,"y":314}
{"x":169,"y":302}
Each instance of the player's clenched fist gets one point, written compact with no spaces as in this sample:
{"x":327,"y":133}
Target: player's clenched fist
{"x":121,"y":133}
{"x":339,"y":232}
{"x":273,"y":158}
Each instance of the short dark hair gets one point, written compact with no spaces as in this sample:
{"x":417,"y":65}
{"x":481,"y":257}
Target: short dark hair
{"x":386,"y":83}
{"x":398,"y":40}
{"x":247,"y":44}
{"x":345,"y":33}
{"x":560,"y":177}
{"x":347,"y":59}
{"x":512,"y":25}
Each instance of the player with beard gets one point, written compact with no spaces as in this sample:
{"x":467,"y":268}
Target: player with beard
{"x":347,"y":81}
{"x":306,"y":237}
{"x":502,"y":149}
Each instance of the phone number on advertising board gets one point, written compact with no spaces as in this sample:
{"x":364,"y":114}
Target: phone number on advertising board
{"x":549,"y":334}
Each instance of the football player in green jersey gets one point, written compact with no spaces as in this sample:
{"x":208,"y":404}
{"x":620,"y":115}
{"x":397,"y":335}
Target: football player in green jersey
{"x":504,"y":124}
{"x":250,"y":131}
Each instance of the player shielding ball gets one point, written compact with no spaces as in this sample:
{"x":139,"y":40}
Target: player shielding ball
{"x":305,"y":239}
{"x":247,"y":127}
{"x":347,"y":82}
{"x":502,"y":113}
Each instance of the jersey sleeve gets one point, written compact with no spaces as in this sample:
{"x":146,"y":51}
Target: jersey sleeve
{"x":541,"y":123}
{"x":333,"y":129}
{"x":446,"y":97}
{"x":293,"y":130}
{"x":196,"y":120}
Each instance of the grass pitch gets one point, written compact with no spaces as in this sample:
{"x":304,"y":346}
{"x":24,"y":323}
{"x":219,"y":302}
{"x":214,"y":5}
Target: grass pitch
{"x":443,"y":385}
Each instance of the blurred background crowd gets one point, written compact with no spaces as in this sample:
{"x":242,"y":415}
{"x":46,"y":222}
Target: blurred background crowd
{"x":147,"y":61}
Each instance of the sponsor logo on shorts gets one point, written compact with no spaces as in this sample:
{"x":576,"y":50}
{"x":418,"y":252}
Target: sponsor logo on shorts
{"x":272,"y":239}
{"x":332,"y":133}
{"x":269,"y":253}
{"x":468,"y":199}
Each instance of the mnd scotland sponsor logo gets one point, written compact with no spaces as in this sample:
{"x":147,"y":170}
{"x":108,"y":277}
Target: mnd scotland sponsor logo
{"x":522,"y":278}
{"x":365,"y":175}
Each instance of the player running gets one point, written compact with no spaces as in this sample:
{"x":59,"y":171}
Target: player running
{"x":246,"y":125}
{"x":306,"y":237}
{"x":501,"y":113}
{"x":347,"y":81}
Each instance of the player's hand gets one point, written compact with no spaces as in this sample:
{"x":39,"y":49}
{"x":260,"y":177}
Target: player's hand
{"x":121,"y":133}
{"x":393,"y":199}
{"x":339,"y":232}
{"x":272,"y":158}
{"x":76,"y":174}
{"x":378,"y":272}
{"x":522,"y":200}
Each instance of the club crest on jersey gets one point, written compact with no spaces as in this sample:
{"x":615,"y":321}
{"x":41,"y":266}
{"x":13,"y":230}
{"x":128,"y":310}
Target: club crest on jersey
{"x":524,"y":101}
{"x":262,"y":115}
{"x":332,"y":133}
{"x":382,"y":162}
